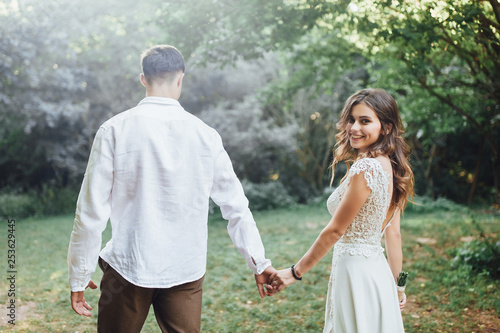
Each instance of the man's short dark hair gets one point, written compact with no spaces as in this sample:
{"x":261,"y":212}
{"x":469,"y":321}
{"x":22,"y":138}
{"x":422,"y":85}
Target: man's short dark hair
{"x":161,"y":62}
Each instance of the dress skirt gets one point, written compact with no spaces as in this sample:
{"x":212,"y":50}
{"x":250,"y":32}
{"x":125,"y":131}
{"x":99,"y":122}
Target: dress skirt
{"x":362,"y":295}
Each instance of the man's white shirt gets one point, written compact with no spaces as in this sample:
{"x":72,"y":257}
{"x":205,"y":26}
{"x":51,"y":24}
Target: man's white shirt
{"x":151,"y":172}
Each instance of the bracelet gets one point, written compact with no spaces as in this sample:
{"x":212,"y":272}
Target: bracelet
{"x":295,"y":275}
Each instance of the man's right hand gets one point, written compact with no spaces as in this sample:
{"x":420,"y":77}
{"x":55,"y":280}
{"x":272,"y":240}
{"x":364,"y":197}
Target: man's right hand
{"x":78,"y":301}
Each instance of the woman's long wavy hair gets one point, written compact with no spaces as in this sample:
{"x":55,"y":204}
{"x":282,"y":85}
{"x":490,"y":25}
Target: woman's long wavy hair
{"x":390,"y":143}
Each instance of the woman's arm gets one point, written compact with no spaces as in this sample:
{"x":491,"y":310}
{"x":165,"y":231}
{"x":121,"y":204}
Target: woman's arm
{"x":355,"y":196}
{"x":393,"y":245}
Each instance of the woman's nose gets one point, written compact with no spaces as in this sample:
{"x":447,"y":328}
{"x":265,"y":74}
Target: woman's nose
{"x":355,"y":126}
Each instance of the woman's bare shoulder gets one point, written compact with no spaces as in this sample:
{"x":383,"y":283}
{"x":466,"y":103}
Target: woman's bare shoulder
{"x":385,"y":161}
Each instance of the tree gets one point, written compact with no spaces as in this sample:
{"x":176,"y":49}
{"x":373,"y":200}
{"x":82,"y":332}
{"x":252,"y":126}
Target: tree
{"x":452,"y":49}
{"x":60,"y":80}
{"x":300,"y":96}
{"x":448,"y":49}
{"x":41,"y":98}
{"x":224,"y":31}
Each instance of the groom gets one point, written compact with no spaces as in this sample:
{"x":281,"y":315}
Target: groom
{"x":151,"y":172}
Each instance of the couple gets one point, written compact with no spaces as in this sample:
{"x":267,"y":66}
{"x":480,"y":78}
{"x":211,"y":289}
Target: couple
{"x":151,"y":172}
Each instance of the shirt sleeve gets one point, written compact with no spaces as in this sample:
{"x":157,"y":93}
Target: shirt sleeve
{"x":228,"y":194}
{"x":92,"y":213}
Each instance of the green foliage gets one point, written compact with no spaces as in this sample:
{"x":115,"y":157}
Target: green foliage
{"x":16,"y":205}
{"x":313,"y":112}
{"x":255,"y":145}
{"x":40,"y":99}
{"x":60,"y":79}
{"x":49,"y":200}
{"x":440,"y":60}
{"x":437,"y":289}
{"x":54,"y":95}
{"x":424,"y":204}
{"x":270,"y":195}
{"x":225,"y":31}
{"x":447,"y":51}
{"x":479,"y":257}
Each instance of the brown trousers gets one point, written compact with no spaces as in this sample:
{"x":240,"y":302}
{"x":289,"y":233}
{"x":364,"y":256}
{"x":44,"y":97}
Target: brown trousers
{"x":123,"y":306}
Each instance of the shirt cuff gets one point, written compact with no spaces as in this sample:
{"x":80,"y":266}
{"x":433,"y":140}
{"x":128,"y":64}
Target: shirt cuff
{"x":260,"y":266}
{"x":79,"y":283}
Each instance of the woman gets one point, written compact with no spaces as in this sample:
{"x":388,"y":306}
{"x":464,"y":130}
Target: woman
{"x":362,"y":295}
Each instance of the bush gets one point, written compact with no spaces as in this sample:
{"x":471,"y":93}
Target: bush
{"x":56,"y":201}
{"x":13,"y":205}
{"x":426,"y":204}
{"x":44,"y":202}
{"x":479,"y":257}
{"x":267,"y":195}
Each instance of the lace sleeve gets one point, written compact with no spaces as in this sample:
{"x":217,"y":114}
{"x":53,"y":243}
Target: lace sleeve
{"x":369,"y":167}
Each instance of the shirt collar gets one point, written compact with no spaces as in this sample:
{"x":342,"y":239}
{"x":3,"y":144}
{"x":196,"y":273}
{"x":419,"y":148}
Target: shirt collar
{"x":159,"y":100}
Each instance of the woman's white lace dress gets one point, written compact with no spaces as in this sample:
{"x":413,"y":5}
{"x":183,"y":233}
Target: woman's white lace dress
{"x":362,"y":295}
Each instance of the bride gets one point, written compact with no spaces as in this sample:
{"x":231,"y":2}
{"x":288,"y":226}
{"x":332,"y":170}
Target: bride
{"x":362,"y":295}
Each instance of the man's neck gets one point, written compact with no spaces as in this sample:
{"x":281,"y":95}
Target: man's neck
{"x":161,"y":93}
{"x":163,"y":90}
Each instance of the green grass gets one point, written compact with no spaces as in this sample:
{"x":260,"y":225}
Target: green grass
{"x":440,"y":299}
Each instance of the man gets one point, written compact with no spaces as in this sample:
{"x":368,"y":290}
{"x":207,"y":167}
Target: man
{"x":151,"y":172}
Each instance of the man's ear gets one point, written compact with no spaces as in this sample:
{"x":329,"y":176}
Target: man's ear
{"x":179,"y":79}
{"x":143,"y":79}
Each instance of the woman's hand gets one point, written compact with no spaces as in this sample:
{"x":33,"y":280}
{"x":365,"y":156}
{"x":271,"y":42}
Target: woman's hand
{"x":281,"y":279}
{"x":402,"y":303}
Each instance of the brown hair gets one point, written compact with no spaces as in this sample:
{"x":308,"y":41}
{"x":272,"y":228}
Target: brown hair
{"x":391,"y":143}
{"x":161,"y":62}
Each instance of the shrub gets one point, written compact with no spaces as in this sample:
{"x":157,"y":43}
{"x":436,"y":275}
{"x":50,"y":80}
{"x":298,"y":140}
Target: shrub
{"x":14,"y":205}
{"x":55,"y":200}
{"x":424,"y":204}
{"x":479,"y":257}
{"x":46,"y":201}
{"x":268,"y":195}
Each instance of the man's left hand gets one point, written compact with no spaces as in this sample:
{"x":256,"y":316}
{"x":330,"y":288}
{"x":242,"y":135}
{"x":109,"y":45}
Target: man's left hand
{"x":78,"y":301}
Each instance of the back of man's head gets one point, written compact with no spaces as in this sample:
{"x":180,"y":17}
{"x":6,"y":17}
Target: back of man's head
{"x":161,"y":62}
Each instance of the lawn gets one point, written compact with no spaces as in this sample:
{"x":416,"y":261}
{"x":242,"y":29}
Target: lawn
{"x":440,"y":298}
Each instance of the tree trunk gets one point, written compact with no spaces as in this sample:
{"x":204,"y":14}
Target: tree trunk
{"x":496,"y":178}
{"x":476,"y":172}
{"x":429,"y":180}
{"x":496,"y":9}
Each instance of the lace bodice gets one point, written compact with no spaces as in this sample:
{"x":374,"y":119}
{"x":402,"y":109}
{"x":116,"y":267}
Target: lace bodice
{"x":366,"y":228}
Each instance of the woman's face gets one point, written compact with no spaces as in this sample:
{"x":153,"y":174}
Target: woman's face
{"x":363,"y":127}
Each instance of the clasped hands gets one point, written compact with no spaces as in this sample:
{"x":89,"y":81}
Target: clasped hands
{"x":274,"y":281}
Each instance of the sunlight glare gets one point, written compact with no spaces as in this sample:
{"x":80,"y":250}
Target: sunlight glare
{"x":6,"y":8}
{"x":353,"y":7}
